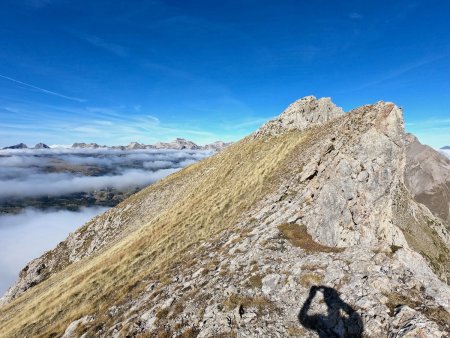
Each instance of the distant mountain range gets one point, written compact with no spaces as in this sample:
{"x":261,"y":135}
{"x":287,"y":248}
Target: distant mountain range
{"x":24,"y":146}
{"x":446,"y":148}
{"x":178,"y":143}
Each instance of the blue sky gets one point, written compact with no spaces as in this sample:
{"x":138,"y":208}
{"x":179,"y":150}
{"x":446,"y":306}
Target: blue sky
{"x":112,"y":72}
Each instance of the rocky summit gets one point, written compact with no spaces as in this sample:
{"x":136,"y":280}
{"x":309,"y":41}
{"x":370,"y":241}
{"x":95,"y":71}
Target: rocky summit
{"x":310,"y":227}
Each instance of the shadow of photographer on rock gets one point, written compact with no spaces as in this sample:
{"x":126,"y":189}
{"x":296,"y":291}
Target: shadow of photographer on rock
{"x":341,"y":320}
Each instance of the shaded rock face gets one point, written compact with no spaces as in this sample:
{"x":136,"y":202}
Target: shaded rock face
{"x":337,"y":247}
{"x":427,"y":176}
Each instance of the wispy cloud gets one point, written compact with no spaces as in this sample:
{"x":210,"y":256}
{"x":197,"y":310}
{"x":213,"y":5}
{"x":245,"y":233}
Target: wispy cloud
{"x":42,"y":90}
{"x":433,"y":131}
{"x":397,"y":73}
{"x":355,"y":16}
{"x":428,"y":123}
{"x":256,"y":122}
{"x":111,"y":47}
{"x":111,"y":126}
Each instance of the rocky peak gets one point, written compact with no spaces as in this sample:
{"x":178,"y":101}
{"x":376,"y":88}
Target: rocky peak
{"x":17,"y":146}
{"x":178,"y":143}
{"x":83,"y":145}
{"x":217,"y":146}
{"x":301,"y":114}
{"x":135,"y":145}
{"x":41,"y":146}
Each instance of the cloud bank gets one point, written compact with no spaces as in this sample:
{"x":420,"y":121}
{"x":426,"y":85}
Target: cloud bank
{"x":58,"y":172}
{"x":61,"y":172}
{"x":445,"y":152}
{"x":29,"y":234}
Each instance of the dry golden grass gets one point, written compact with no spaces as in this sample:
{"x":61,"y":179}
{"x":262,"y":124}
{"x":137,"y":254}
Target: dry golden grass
{"x":255,"y":281}
{"x":258,"y":302}
{"x":299,"y":237}
{"x":215,"y":193}
{"x":437,"y":314}
{"x":309,"y":279}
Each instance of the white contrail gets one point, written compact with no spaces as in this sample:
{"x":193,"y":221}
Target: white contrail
{"x":43,"y":90}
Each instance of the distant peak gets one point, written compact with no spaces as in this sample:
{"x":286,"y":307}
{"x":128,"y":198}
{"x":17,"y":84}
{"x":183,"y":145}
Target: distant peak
{"x":17,"y":146}
{"x":41,"y":146}
{"x":301,"y":114}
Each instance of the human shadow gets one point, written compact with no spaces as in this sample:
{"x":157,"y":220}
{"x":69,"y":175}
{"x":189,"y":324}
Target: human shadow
{"x":341,"y":320}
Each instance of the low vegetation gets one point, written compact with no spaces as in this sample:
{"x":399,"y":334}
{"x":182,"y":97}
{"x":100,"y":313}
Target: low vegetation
{"x":297,"y":235}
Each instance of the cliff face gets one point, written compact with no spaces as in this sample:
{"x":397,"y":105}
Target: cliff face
{"x":304,"y":228}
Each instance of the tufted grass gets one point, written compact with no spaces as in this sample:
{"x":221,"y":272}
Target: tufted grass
{"x":297,"y":235}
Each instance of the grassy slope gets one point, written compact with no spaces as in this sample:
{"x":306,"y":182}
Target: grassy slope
{"x":218,"y":191}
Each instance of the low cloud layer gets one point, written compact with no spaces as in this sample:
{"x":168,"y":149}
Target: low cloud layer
{"x":445,"y":152}
{"x":61,"y":172}
{"x":56,"y":172}
{"x":63,"y":184}
{"x":29,"y":234}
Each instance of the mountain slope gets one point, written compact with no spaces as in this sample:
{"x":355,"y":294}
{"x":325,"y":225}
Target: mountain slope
{"x":234,"y":244}
{"x":428,"y":177}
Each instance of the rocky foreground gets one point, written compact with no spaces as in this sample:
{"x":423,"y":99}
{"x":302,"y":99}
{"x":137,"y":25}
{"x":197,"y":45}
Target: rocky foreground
{"x":305,"y":228}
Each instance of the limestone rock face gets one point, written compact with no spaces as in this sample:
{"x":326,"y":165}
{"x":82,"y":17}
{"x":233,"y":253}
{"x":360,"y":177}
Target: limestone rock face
{"x":349,"y":179}
{"x":301,"y":114}
{"x":323,"y":239}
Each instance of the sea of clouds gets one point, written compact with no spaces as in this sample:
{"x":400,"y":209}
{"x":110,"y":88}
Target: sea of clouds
{"x":58,"y":172}
{"x":29,"y":234}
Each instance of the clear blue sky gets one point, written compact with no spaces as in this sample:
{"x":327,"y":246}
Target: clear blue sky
{"x":117,"y":71}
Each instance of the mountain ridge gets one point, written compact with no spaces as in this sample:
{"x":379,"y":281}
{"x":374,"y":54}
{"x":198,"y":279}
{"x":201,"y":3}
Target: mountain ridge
{"x":232,"y":244}
{"x":177,"y":143}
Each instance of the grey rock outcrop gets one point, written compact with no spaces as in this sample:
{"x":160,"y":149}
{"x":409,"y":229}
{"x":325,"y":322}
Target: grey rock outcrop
{"x":301,"y":114}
